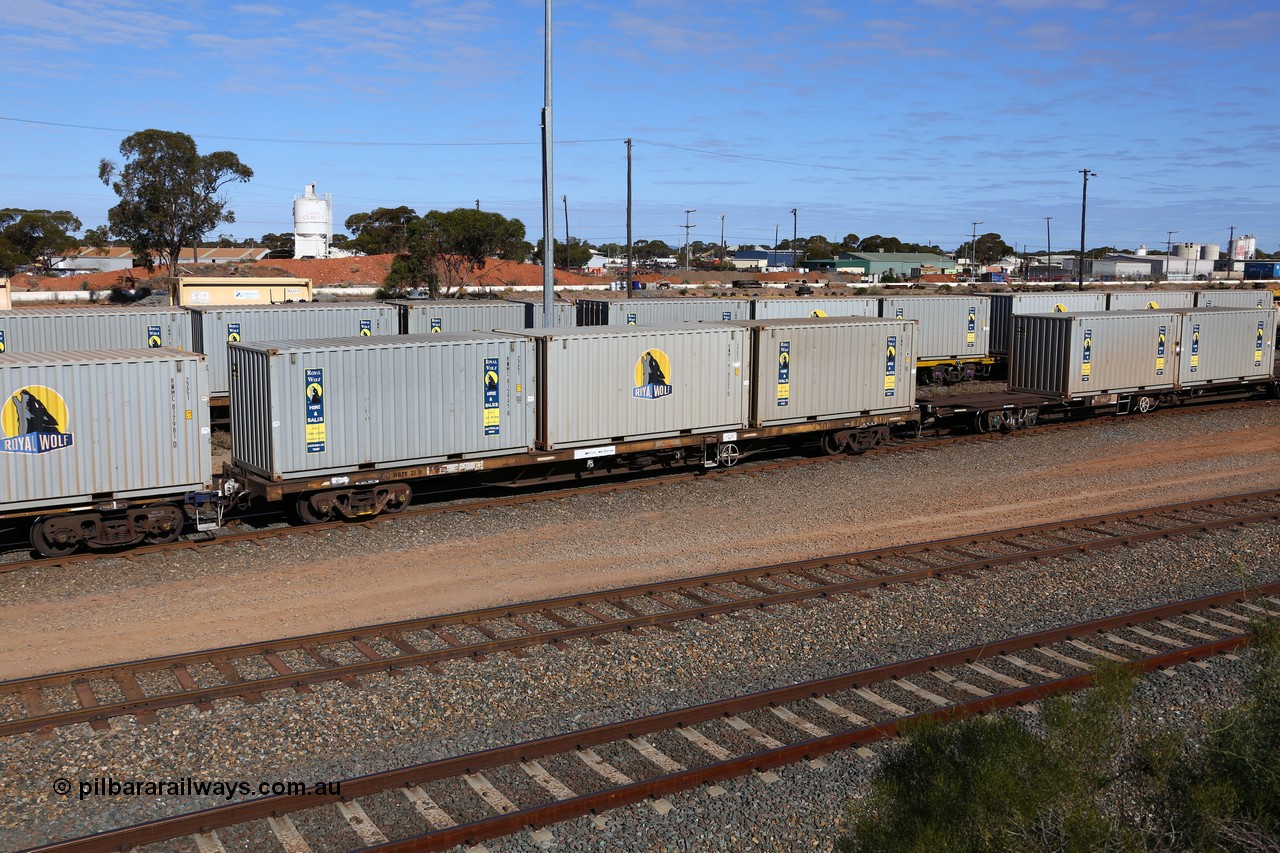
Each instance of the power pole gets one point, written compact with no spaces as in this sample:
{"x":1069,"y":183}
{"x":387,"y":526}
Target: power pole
{"x":565,"y":199}
{"x":724,"y":252}
{"x":775,"y":246}
{"x":1084,"y":197}
{"x":793,"y":239}
{"x":1048,"y":238}
{"x":973,"y":251}
{"x":1168,"y":254}
{"x":477,"y":204}
{"x":629,"y":262}
{"x":687,"y":226}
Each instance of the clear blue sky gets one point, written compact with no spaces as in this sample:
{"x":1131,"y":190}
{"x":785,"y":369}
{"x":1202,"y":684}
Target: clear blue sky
{"x":903,"y":118}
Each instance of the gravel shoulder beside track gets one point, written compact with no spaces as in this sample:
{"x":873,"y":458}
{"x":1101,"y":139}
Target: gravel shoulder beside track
{"x":338,"y":731}
{"x":121,"y":609}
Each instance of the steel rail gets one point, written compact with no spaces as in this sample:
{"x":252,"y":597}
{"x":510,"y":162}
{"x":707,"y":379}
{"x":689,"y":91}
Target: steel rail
{"x":206,"y":820}
{"x":704,"y":611}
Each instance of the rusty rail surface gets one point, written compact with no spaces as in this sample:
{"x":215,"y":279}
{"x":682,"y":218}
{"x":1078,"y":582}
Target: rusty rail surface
{"x":1228,"y":637}
{"x":399,"y":645}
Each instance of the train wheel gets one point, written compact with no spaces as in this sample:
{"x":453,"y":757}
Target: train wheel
{"x":166,"y":525}
{"x":952,"y":374}
{"x":47,"y":541}
{"x":308,"y":513}
{"x":398,"y":500}
{"x":831,"y":444}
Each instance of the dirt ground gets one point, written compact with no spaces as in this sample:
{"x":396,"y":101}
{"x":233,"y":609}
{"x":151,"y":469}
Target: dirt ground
{"x":415,"y":568}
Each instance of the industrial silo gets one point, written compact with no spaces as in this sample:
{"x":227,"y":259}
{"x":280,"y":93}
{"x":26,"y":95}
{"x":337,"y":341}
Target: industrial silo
{"x":1210,"y":251}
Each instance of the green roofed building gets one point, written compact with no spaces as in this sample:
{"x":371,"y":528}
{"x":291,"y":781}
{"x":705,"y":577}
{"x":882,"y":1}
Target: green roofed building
{"x":903,"y":264}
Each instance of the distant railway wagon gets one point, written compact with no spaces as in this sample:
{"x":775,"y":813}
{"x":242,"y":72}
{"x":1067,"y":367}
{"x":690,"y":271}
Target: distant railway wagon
{"x":1140,"y":300}
{"x":214,"y":328}
{"x":96,"y":327}
{"x":953,"y":342}
{"x":659,"y":312}
{"x":435,"y":316}
{"x":1234,"y":299}
{"x":112,"y":438}
{"x":613,"y":384}
{"x":242,"y":290}
{"x":784,"y":307}
{"x":1005,"y":305}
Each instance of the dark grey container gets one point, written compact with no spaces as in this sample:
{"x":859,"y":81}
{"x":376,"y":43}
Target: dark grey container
{"x":94,"y":426}
{"x":604,"y":385}
{"x":98,"y":327}
{"x":213,"y":328}
{"x":315,"y":408}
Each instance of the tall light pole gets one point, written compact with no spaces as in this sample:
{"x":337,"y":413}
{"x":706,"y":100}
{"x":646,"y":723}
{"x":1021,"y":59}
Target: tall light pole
{"x":775,"y":245}
{"x":1048,"y":239}
{"x":548,"y":194}
{"x":973,"y":251}
{"x":724,"y":251}
{"x":1084,"y":197}
{"x":793,"y":239}
{"x":629,"y":260}
{"x":687,"y":226}
{"x":1168,"y":254}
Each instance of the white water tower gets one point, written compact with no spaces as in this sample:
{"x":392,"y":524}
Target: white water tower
{"x":312,"y":224}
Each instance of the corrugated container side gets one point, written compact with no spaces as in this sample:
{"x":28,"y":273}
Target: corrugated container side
{"x":608,"y":385}
{"x":1141,"y":300}
{"x":435,"y":316}
{"x":1005,"y":305}
{"x":1226,"y":345}
{"x":335,"y":406}
{"x":951,"y":327}
{"x":1234,"y":299}
{"x":812,"y":370}
{"x":853,"y":306}
{"x":1078,"y":355}
{"x":660,"y":312}
{"x":214,"y":328}
{"x":565,"y":314}
{"x":102,"y":425}
{"x":96,"y":328}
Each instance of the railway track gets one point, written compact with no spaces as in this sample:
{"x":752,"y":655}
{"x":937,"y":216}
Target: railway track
{"x":535,"y":784}
{"x":95,"y":695}
{"x":281,"y":529}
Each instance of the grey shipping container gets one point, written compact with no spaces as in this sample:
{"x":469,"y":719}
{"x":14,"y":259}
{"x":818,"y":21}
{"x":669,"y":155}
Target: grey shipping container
{"x":598,"y":385}
{"x":1218,"y":345}
{"x":1234,"y":299}
{"x":102,"y":425}
{"x":214,"y":328}
{"x":1104,"y":352}
{"x":782,"y":307}
{"x":564,"y":314}
{"x":434,"y":316}
{"x":659,"y":312}
{"x":1005,"y":305}
{"x":1159,"y":300}
{"x":321,"y":407}
{"x":951,"y":327}
{"x":827,"y":368}
{"x":100,"y":327}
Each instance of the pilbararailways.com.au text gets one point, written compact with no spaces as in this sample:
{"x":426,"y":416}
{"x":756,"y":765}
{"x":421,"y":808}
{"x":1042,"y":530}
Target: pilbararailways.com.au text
{"x":227,"y":789}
